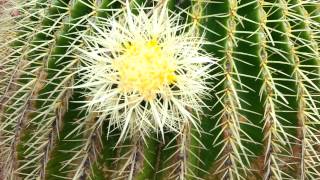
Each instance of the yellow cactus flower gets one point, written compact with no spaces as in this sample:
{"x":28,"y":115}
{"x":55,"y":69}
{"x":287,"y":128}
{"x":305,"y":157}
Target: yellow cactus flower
{"x":146,"y":71}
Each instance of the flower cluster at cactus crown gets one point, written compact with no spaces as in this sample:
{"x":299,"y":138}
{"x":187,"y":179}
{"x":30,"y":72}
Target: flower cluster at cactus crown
{"x":145,"y":72}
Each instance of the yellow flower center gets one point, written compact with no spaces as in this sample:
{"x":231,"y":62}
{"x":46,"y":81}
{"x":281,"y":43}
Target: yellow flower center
{"x":146,"y":68}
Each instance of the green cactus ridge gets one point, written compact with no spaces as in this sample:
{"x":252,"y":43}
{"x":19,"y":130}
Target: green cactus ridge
{"x":253,"y":114}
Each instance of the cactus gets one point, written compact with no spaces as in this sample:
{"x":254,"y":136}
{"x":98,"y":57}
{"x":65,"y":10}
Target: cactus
{"x":241,"y":103}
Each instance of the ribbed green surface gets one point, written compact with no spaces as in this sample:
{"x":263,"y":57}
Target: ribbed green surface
{"x":263,"y":121}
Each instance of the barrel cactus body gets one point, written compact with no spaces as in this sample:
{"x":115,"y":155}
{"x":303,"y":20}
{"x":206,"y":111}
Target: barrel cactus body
{"x":223,"y":89}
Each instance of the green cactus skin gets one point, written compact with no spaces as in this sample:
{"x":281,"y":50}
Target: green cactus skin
{"x":263,"y":121}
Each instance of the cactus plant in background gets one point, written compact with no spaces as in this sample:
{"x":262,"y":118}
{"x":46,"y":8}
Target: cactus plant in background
{"x":99,"y":89}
